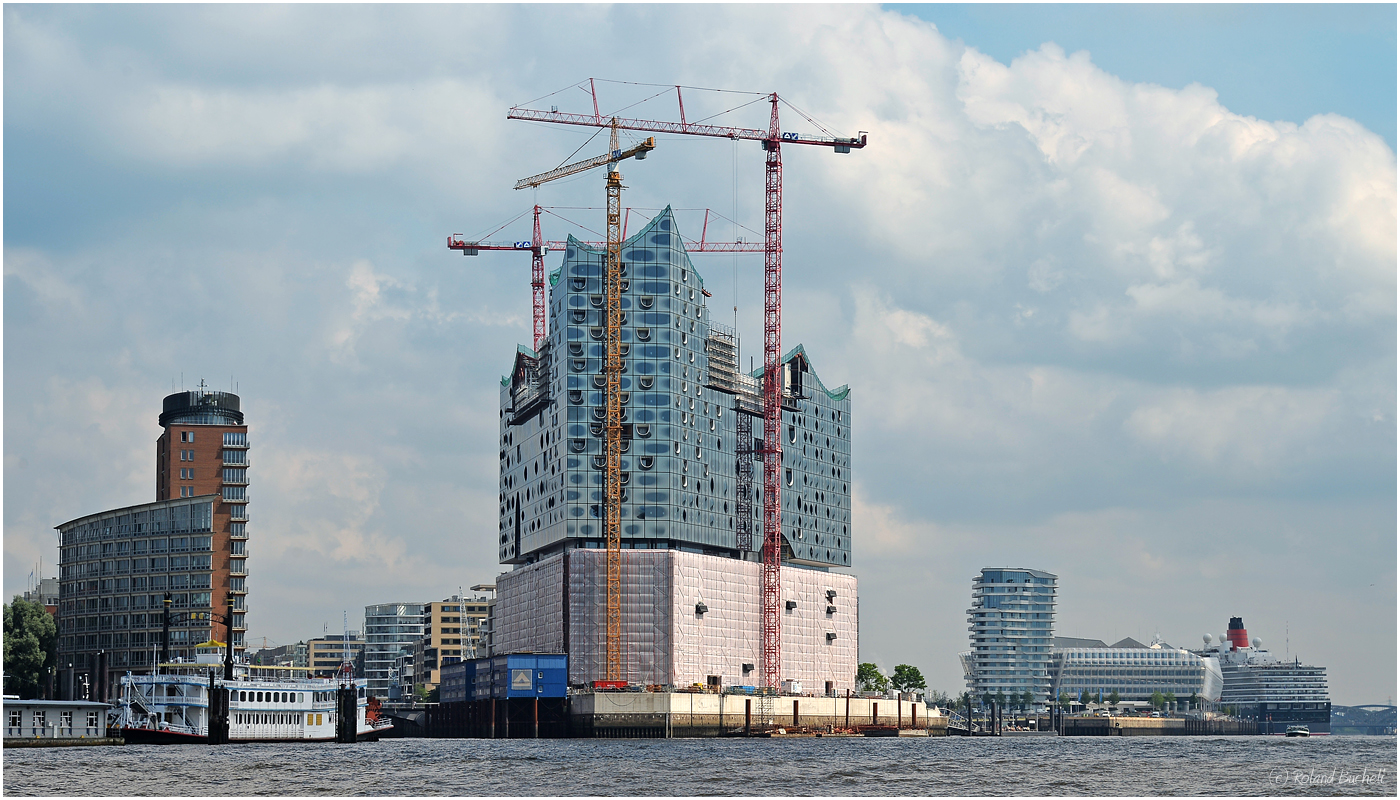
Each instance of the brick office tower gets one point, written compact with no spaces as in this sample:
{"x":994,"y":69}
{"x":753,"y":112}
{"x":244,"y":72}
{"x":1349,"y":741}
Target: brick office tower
{"x":204,"y":451}
{"x":116,"y":566}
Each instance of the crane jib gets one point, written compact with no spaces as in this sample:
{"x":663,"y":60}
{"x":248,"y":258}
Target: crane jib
{"x":588,"y":120}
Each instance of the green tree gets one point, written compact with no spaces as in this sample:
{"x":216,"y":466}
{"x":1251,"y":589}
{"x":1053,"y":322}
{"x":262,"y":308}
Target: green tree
{"x":870,"y":679}
{"x":1027,"y":698}
{"x":1065,"y":700}
{"x":1113,"y":698}
{"x":937,"y":698}
{"x":1085,"y":698}
{"x":907,"y":678}
{"x":1192,"y":701}
{"x":31,"y":648}
{"x":1099,"y":698}
{"x":1001,"y":698}
{"x":1158,"y":699}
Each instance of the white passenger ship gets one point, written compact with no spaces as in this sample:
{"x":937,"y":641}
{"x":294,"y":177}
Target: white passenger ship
{"x":266,"y":704}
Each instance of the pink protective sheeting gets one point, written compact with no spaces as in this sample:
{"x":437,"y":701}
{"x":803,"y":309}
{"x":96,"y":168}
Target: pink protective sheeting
{"x":667,"y":640}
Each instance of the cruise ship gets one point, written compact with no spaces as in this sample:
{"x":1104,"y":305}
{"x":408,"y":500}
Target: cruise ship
{"x":266,"y":704}
{"x":1261,"y":687}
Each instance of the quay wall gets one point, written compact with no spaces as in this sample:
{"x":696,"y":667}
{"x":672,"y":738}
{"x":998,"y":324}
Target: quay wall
{"x":660,"y":715}
{"x":1155,"y":726}
{"x":682,"y":714}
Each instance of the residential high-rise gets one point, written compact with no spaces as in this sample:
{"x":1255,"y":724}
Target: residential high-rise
{"x":389,"y":629}
{"x":1012,"y":621}
{"x":116,"y":567}
{"x":691,"y":516}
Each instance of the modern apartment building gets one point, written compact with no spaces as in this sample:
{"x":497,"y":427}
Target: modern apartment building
{"x":117,"y":567}
{"x":1012,"y":621}
{"x":326,"y":655}
{"x":451,"y":633}
{"x":390,"y":628}
{"x":45,"y":594}
{"x":288,"y":655}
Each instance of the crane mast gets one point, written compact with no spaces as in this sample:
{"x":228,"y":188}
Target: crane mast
{"x":612,"y":446}
{"x":772,"y":620}
{"x":612,"y":362}
{"x":537,"y":252}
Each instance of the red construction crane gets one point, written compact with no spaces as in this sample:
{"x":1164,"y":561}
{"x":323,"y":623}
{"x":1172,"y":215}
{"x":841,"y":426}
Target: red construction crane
{"x":538,"y":248}
{"x":772,"y":141}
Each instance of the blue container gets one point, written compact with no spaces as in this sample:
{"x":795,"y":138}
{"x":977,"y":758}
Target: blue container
{"x":456,"y":683}
{"x":481,"y":681}
{"x":528,"y":675}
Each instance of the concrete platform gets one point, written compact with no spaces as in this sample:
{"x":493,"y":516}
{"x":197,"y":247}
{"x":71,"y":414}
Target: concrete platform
{"x":684,"y":714}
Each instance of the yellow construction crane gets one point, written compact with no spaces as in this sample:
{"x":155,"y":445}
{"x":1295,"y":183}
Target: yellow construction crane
{"x":612,"y":375}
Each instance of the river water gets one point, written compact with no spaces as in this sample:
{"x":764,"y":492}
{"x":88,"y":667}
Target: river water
{"x":1226,"y":765}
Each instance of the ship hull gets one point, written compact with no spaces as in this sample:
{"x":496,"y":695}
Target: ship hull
{"x":1277,"y":721}
{"x":148,"y":736}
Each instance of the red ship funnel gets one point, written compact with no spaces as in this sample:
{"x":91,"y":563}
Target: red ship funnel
{"x":1239,"y":637}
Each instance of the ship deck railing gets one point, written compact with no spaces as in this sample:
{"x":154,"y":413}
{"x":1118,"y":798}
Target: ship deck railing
{"x":244,"y":672}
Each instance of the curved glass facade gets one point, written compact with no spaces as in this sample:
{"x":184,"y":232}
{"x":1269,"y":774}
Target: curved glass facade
{"x":1135,"y":673}
{"x":1012,"y":620}
{"x":114,"y":570}
{"x":679,"y":466}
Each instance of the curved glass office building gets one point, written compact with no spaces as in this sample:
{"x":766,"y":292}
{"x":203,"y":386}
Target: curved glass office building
{"x":1135,"y":671}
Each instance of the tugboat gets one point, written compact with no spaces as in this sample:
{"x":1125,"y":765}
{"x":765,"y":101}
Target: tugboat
{"x":1297,"y":731}
{"x":265,"y":704}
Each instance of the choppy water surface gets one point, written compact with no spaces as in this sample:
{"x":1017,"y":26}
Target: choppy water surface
{"x":1231,"y":765}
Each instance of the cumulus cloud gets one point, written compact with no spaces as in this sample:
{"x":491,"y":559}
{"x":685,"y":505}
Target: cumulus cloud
{"x":1252,"y":429}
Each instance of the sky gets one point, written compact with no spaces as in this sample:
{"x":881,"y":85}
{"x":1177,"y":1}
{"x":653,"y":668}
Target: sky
{"x":1112,"y":304}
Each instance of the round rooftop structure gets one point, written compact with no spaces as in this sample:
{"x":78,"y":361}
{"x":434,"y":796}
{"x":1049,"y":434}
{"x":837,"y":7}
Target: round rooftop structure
{"x":200,"y":408}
